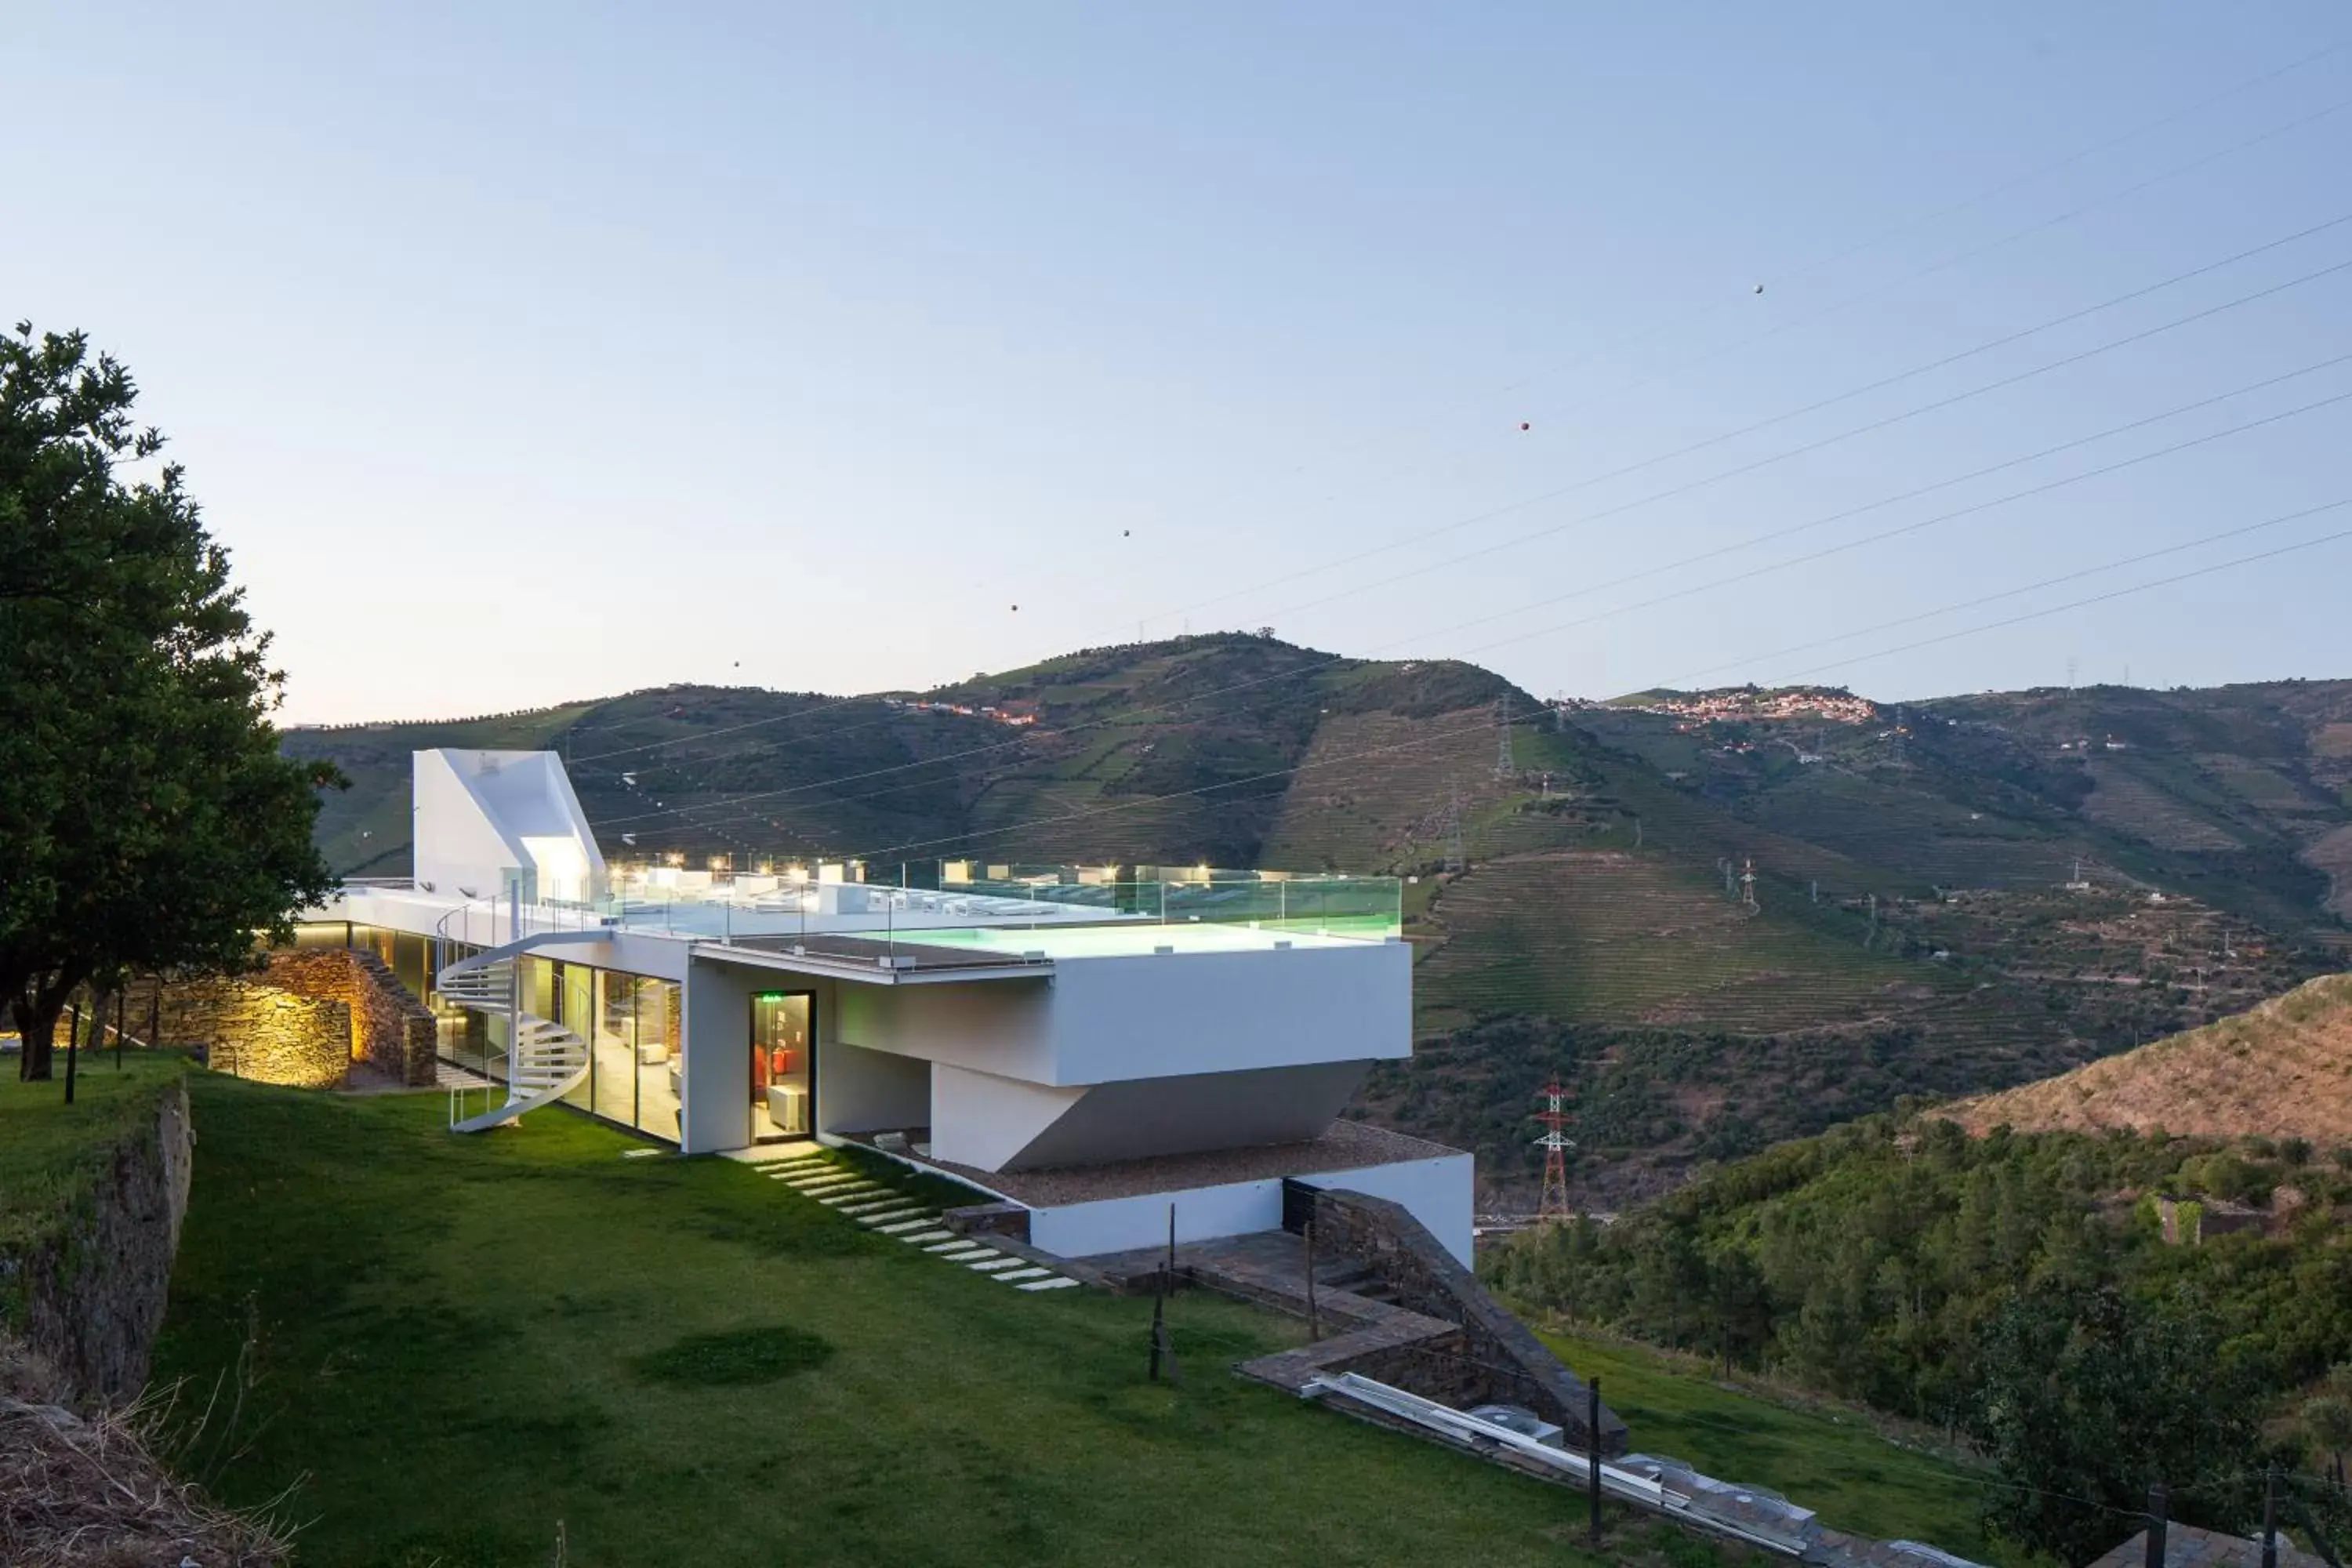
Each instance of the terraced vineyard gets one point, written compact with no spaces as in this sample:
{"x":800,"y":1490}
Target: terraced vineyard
{"x":1873,"y":818}
{"x":1374,"y":788}
{"x":1615,"y":937}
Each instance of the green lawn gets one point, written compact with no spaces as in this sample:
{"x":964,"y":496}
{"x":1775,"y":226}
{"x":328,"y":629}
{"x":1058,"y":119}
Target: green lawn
{"x":1836,"y":1466}
{"x":459,"y":1347}
{"x":48,"y":1149}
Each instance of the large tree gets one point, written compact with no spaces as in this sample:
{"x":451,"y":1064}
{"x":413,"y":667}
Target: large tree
{"x":147,"y":821}
{"x":2088,"y":1397}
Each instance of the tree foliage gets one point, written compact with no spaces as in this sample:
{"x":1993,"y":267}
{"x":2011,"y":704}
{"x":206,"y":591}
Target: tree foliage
{"x":1900,"y":1263}
{"x":2086,"y":1398}
{"x":147,"y":821}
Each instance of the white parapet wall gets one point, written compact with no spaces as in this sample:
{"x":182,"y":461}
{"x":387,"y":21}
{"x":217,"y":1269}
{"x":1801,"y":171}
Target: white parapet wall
{"x":1437,"y":1191}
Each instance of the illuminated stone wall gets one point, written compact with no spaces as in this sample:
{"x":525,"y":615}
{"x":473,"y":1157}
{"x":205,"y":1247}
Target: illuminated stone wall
{"x":248,"y":1028}
{"x":391,"y":1030}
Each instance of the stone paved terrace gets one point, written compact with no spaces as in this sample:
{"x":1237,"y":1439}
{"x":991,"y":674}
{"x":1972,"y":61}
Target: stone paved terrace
{"x":2187,"y":1546}
{"x":1269,"y":1267}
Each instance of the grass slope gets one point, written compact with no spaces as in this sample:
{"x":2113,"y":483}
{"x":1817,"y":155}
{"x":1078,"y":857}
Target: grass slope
{"x":460,"y":1345}
{"x":52,"y":1152}
{"x":2282,"y":1069}
{"x":1835,"y":1464}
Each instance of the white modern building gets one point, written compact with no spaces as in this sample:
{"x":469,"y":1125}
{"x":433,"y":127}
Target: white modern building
{"x":1091,"y":1045}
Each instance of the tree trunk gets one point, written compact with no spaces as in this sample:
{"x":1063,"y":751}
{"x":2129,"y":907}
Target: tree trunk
{"x":36,"y":1008}
{"x":38,"y":1031}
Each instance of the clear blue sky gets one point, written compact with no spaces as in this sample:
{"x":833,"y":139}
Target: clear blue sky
{"x":527,"y":353}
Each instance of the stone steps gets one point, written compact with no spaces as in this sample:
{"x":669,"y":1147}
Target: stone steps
{"x":889,"y":1211}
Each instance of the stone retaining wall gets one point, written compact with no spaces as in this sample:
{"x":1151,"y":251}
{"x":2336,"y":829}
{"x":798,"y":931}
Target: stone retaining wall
{"x":1511,"y":1364}
{"x":247,"y":1028}
{"x":391,"y":1030}
{"x":94,"y":1288}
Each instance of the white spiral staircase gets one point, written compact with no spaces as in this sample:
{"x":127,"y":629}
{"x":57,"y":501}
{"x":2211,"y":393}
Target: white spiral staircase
{"x":545,"y":1061}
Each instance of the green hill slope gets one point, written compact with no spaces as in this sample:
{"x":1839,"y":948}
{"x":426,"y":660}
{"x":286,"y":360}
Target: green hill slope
{"x":1911,"y":932}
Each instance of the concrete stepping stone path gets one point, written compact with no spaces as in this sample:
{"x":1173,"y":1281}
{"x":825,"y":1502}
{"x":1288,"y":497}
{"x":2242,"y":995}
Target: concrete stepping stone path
{"x":886,"y":1211}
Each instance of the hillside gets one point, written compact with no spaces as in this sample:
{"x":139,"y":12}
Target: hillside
{"x":2282,"y":1069}
{"x":1898,"y":1262}
{"x":2240,"y":796}
{"x":1063,"y":770}
{"x":1949,"y":897}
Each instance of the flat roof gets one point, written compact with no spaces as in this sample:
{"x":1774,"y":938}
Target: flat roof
{"x":1124,"y":940}
{"x":876,"y":959}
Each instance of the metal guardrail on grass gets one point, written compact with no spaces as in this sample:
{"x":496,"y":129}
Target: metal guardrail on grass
{"x":1752,"y":1515}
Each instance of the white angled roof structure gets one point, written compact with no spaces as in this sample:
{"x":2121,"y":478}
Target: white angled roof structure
{"x":483,"y":816}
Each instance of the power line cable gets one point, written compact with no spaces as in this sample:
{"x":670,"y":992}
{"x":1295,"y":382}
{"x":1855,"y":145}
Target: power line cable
{"x":2095,"y":599}
{"x":2000,"y":383}
{"x":2045,"y":225}
{"x":1485,"y":726}
{"x":1988,"y":598}
{"x":1788,"y":276}
{"x":1777,"y":534}
{"x":2114,"y":565}
{"x":1758,"y":463}
{"x":1909,"y":528}
{"x":1132,"y":714}
{"x":728,"y":730}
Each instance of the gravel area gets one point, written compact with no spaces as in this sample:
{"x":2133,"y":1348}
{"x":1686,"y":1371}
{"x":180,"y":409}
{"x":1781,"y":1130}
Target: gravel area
{"x":1347,"y":1146}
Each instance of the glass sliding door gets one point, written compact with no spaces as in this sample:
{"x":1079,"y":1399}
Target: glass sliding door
{"x":658,"y":1042}
{"x":784,"y":1034}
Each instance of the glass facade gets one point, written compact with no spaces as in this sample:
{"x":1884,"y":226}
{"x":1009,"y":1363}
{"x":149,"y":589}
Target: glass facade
{"x":631,"y":1025}
{"x":631,"y":1022}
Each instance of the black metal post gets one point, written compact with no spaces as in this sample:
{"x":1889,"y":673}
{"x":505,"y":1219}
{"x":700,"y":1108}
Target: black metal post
{"x":2156,"y":1505}
{"x":1159,"y":1322}
{"x":2270,"y":1516}
{"x":121,"y":1002}
{"x":156,"y":1014}
{"x":1593,"y":1455}
{"x":1313,"y":1321}
{"x":73,"y":1041}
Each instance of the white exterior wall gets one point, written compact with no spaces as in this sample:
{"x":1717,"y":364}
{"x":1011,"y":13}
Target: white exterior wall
{"x":1000,"y":1026}
{"x":1163,"y":1015}
{"x":858,"y":1090}
{"x":474,"y":816}
{"x":1441,"y":1192}
{"x":1119,"y":1225}
{"x":1436,"y":1192}
{"x":1104,"y":1020}
{"x":715,"y":1082}
{"x":454,"y":843}
{"x":983,"y":1120}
